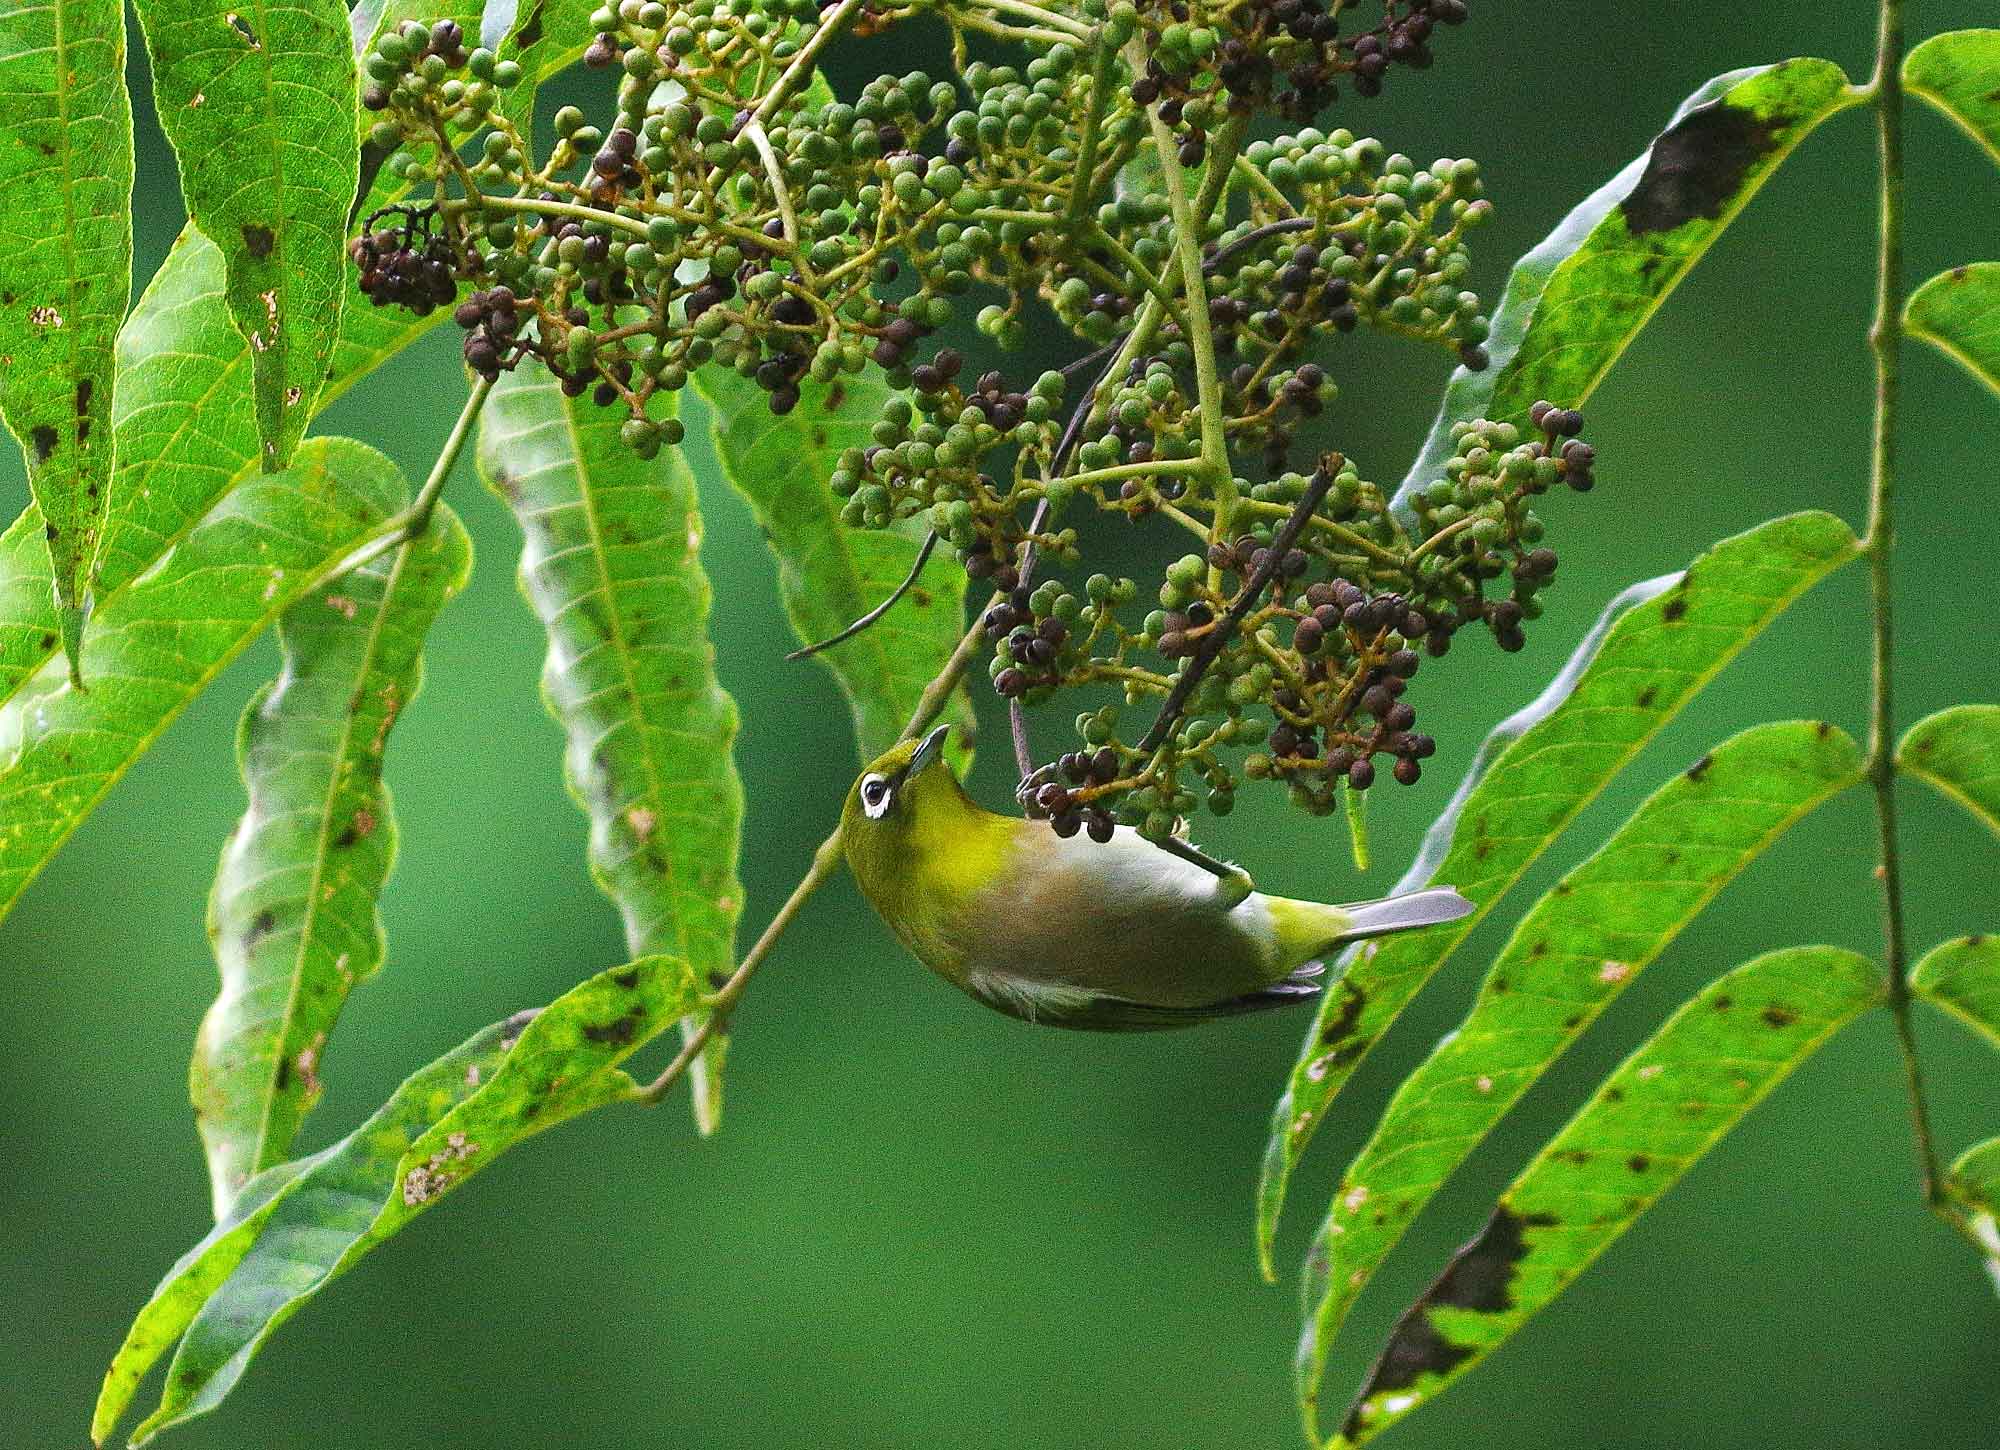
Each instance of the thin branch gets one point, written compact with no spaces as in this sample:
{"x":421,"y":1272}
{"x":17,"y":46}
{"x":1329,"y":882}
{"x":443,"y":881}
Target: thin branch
{"x":923,"y":558}
{"x":1209,"y":645}
{"x":412,"y":522}
{"x":1250,"y":239}
{"x":1885,"y":341}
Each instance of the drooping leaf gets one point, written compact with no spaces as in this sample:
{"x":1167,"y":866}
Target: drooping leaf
{"x":183,"y":417}
{"x":1958,"y":752}
{"x":1962,"y":977}
{"x":1580,"y":946}
{"x":1667,"y":1105}
{"x":158,"y":642}
{"x":611,"y":564}
{"x":829,"y":574}
{"x":1975,"y":1185}
{"x":258,"y":101}
{"x":1654,"y":648}
{"x":299,"y":1226}
{"x":65,"y":265}
{"x":1575,"y":302}
{"x":293,"y":918}
{"x":1959,"y":73}
{"x":1958,"y":313}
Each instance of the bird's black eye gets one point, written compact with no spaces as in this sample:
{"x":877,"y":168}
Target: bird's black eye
{"x":874,"y":796}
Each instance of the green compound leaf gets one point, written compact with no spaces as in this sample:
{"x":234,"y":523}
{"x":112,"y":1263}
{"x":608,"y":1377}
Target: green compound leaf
{"x":829,"y":574}
{"x":1974,"y":1184}
{"x":1958,"y":313}
{"x":1667,"y":1105}
{"x":1575,"y":302}
{"x":1958,"y":752}
{"x":611,"y":564}
{"x":1959,"y":73}
{"x":293,"y":917}
{"x":160,"y":641}
{"x":183,"y":416}
{"x":1655,"y":647}
{"x":1962,"y":978}
{"x":65,"y":266}
{"x":297,"y":1227}
{"x":1580,"y":946}
{"x":258,"y":101}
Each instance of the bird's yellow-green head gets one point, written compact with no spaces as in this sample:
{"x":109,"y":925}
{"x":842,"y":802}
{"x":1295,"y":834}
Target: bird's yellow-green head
{"x":913,"y":836}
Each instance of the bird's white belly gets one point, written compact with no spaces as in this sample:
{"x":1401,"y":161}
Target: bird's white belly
{"x":1079,"y":920}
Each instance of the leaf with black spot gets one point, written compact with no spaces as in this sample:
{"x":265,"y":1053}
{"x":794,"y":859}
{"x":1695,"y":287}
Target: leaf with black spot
{"x":1582,"y":944}
{"x":258,"y":100}
{"x":1575,"y":302}
{"x":293,"y":918}
{"x":1654,"y":1118}
{"x":1650,"y":653}
{"x":65,"y":270}
{"x":1958,"y":313}
{"x":1959,"y":73}
{"x":1957,"y":752}
{"x":163,"y":639}
{"x":1962,"y":979}
{"x":297,"y":1227}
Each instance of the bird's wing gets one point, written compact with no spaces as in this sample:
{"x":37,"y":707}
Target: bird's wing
{"x":1055,"y":1005}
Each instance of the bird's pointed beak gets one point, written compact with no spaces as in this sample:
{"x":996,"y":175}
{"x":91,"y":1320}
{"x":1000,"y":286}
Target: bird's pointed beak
{"x":930,"y":749}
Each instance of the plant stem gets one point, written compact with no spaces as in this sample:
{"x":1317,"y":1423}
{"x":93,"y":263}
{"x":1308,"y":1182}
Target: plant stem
{"x":1093,"y":119}
{"x":1885,"y":340}
{"x":831,"y":24}
{"x":826,"y":860}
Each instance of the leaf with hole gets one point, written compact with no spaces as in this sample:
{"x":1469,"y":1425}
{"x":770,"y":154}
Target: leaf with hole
{"x":1573,"y":304}
{"x":1581,"y":945}
{"x":1958,"y":313}
{"x":1959,"y":73}
{"x":299,"y":1226}
{"x":1957,"y":751}
{"x":1654,"y":1118}
{"x":161,"y":640}
{"x":1962,"y":978}
{"x":611,"y":565}
{"x":829,"y":574}
{"x":258,"y":101}
{"x":65,"y":267}
{"x":293,"y":918}
{"x":1655,"y":647}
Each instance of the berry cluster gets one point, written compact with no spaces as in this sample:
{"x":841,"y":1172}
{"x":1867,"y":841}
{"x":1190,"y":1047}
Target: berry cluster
{"x":728,"y":213}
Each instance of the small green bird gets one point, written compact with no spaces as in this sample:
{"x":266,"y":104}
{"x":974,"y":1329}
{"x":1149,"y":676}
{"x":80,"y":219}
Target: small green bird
{"x":1117,"y":936}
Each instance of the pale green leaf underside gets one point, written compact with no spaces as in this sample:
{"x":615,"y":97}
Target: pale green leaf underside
{"x":293,"y":919}
{"x":158,"y":643}
{"x":1667,"y":1105}
{"x":65,"y":263}
{"x":1975,"y":1184}
{"x":1958,"y":752}
{"x":611,"y":565}
{"x":1962,"y":977}
{"x":1581,"y":945}
{"x":1958,"y":313}
{"x":257,"y":97}
{"x":1575,"y":302}
{"x":829,"y":574}
{"x":1648,"y":656}
{"x":1959,"y":73}
{"x":297,"y":1227}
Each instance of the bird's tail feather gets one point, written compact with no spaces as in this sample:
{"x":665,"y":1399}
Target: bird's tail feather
{"x":1402,"y":913}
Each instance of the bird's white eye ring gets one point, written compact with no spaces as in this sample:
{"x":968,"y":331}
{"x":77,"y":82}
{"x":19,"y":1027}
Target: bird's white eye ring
{"x":874,"y":797}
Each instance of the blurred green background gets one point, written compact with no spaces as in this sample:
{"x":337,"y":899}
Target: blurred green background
{"x":925,"y":1224}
